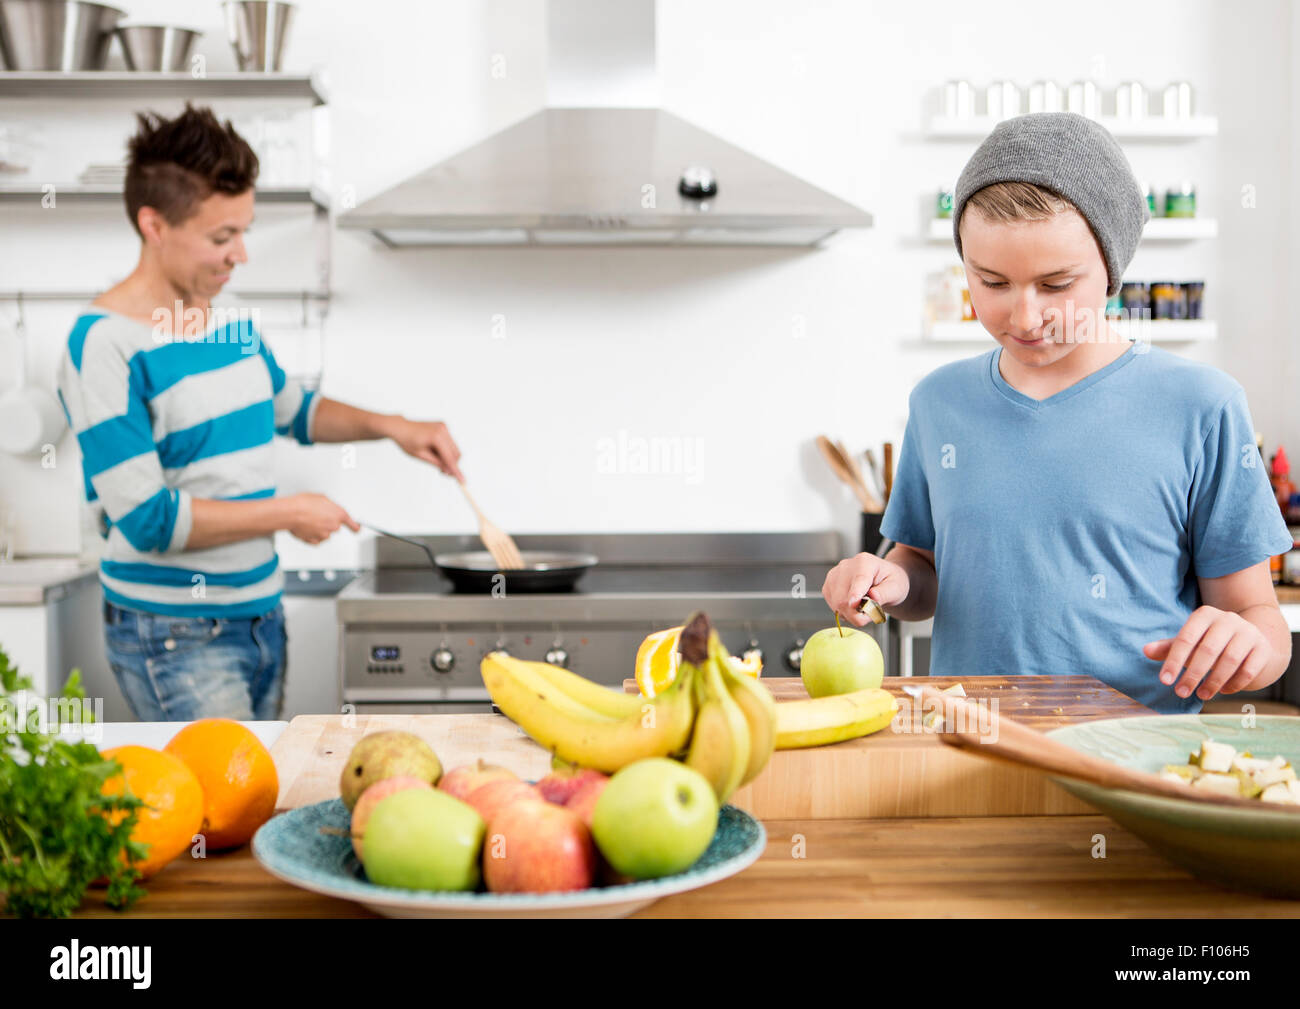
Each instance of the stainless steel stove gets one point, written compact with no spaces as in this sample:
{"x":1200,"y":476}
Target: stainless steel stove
{"x":411,"y":643}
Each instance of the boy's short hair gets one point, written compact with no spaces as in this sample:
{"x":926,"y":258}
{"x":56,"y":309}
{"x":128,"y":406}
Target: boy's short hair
{"x":1017,"y":201}
{"x":175,"y":164}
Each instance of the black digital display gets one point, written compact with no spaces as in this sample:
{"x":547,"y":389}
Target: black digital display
{"x":385,"y":653}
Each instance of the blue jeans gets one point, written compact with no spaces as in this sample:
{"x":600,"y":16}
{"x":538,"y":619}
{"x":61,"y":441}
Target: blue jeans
{"x":177,"y":669}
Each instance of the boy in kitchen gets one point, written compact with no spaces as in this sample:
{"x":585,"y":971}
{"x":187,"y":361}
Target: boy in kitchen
{"x":1070,"y":501}
{"x":175,"y":416}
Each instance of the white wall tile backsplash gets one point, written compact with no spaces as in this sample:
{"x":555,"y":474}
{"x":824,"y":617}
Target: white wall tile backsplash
{"x":674,"y":389}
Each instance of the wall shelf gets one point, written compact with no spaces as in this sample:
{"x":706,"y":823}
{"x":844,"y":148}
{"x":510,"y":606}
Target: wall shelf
{"x":132,"y":84}
{"x":274,"y":294}
{"x":1158,"y":330}
{"x":1149,"y":128}
{"x":111,"y":194}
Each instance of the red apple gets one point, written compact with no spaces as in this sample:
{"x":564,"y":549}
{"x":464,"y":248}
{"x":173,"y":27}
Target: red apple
{"x":464,"y":779}
{"x":370,"y":798}
{"x":493,"y":797}
{"x":535,"y":846}
{"x":585,"y":800}
{"x":562,"y":785}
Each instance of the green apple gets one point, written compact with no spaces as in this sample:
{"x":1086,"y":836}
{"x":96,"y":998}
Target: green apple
{"x":424,"y":839}
{"x":839,"y":662}
{"x":654,"y":818}
{"x":371,"y":798}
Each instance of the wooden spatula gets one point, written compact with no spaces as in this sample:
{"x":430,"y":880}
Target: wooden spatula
{"x":504,"y":553}
{"x":982,"y":732}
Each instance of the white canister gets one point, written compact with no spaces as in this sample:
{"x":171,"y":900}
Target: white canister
{"x":958,"y":100}
{"x":1085,"y":99}
{"x":1131,"y":100}
{"x":1044,"y":96}
{"x":1002,"y":99}
{"x":1178,"y":100}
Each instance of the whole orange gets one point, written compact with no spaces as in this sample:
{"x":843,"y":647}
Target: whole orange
{"x":173,"y":798}
{"x":238,"y":776}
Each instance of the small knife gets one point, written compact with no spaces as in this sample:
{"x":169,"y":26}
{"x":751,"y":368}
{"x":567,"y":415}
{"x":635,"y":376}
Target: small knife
{"x":872,"y":609}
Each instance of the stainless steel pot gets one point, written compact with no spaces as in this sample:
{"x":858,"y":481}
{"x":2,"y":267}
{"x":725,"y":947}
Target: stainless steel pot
{"x":257,"y":30}
{"x":56,"y":34}
{"x":156,"y":47}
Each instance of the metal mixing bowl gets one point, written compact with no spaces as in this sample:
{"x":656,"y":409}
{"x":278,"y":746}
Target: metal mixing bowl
{"x":156,"y":47}
{"x":56,"y":34}
{"x":257,"y":31}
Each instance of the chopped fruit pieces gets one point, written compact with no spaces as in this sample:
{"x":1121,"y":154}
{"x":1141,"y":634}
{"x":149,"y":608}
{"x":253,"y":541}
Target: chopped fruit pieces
{"x":1216,"y":757}
{"x":1218,"y":768}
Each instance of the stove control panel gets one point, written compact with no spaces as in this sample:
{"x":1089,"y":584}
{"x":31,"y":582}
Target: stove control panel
{"x":413,"y":663}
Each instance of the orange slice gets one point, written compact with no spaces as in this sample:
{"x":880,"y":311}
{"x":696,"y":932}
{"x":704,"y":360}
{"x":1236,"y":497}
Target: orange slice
{"x":751,"y":663}
{"x":656,"y":661}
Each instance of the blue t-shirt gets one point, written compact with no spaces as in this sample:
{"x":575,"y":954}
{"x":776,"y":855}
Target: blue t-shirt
{"x":1069,"y":532}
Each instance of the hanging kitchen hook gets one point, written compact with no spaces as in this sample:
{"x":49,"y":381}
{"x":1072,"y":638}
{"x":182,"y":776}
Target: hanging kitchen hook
{"x":31,"y":418}
{"x":20,"y":331}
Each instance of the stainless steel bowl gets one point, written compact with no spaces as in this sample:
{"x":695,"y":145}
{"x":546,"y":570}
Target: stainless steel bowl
{"x":156,"y":47}
{"x":56,"y":34}
{"x":257,"y":30}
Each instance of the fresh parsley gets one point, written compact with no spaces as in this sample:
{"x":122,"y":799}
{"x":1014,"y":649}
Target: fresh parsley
{"x":58,"y":834}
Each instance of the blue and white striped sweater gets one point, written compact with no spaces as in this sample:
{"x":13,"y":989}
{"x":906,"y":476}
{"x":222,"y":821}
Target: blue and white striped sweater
{"x":162,"y":423}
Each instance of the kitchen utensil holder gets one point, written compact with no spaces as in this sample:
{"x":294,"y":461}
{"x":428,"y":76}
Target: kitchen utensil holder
{"x":871,"y":537}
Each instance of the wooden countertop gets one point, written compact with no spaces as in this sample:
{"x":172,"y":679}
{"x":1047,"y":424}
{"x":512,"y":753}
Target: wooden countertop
{"x":906,"y":866}
{"x":979,"y":867}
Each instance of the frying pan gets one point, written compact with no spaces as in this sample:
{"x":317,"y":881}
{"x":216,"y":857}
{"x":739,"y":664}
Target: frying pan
{"x":476,"y":571}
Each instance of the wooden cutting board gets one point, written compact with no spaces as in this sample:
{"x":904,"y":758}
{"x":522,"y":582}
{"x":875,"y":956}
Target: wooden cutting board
{"x":910,"y":774}
{"x":887,"y":774}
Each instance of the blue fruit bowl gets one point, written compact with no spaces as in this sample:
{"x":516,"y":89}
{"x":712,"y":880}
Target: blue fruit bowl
{"x":292,"y":847}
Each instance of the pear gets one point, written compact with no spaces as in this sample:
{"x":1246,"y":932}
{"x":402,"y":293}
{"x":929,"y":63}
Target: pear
{"x":383,"y":755}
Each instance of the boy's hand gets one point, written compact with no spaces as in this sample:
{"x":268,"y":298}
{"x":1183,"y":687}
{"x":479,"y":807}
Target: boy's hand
{"x":1220,"y":643}
{"x":864,"y":575}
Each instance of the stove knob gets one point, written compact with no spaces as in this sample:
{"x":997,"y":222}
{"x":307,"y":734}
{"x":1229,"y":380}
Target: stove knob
{"x":557,"y":656}
{"x":443,"y":659}
{"x":794,"y":656}
{"x":754,"y":646}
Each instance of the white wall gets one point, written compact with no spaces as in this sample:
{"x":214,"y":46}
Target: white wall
{"x":742,"y":356}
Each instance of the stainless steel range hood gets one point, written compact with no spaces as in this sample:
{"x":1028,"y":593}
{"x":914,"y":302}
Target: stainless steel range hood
{"x":601,"y":175}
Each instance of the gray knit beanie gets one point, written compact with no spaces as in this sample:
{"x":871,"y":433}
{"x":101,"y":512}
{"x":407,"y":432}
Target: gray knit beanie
{"x":1076,"y":158}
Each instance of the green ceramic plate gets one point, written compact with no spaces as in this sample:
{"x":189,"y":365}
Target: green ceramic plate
{"x":1256,"y":850}
{"x":292,"y":847}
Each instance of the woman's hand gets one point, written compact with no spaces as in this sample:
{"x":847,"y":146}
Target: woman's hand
{"x":864,"y":575}
{"x":313,"y":518}
{"x":1222,"y":651}
{"x":428,"y":440}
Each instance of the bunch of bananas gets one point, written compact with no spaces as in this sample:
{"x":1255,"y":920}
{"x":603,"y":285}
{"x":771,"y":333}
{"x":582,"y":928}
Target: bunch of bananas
{"x":735,"y":715}
{"x":720,"y":722}
{"x":584,"y":723}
